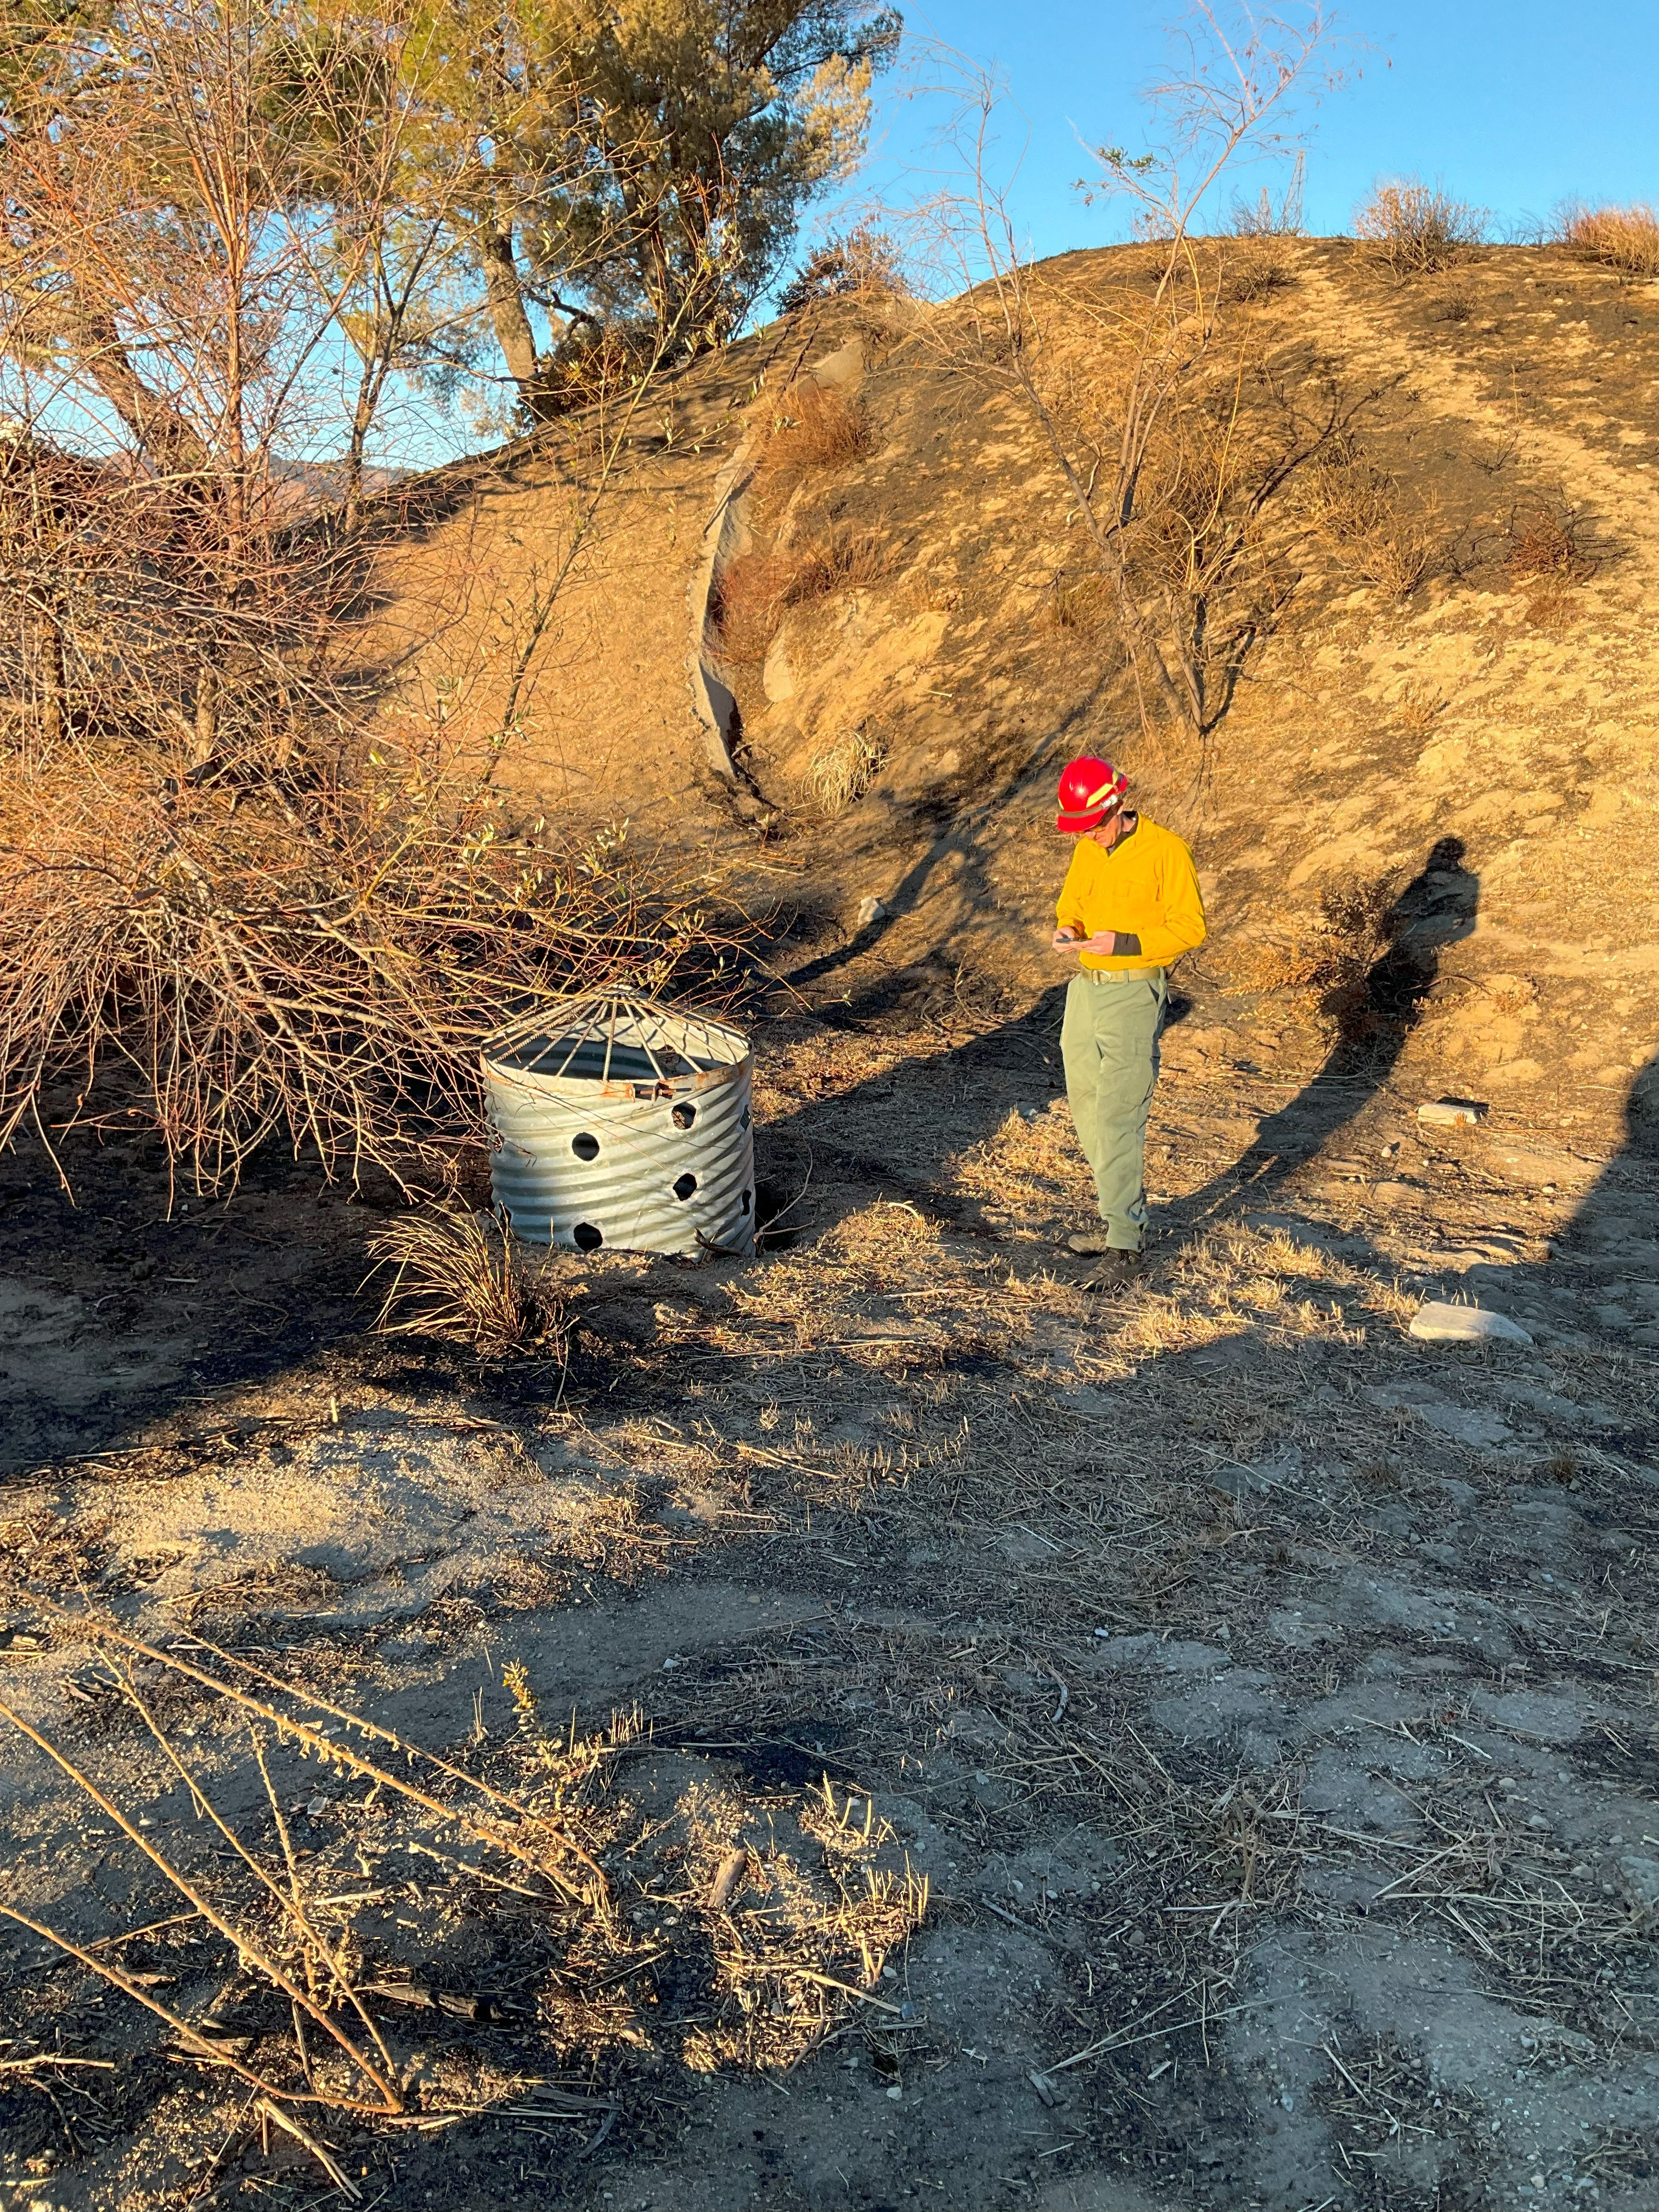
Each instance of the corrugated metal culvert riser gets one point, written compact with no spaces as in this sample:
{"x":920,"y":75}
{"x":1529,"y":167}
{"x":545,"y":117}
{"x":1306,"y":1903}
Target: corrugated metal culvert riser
{"x":619,"y":1121}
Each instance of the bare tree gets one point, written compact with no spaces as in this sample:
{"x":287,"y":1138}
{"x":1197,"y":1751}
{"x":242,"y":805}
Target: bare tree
{"x":1134,"y":381}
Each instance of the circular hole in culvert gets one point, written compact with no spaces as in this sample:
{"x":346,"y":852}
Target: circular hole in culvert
{"x":584,"y":1147}
{"x":588,"y":1238}
{"x":745,"y":1200}
{"x":683,"y":1114}
{"x":685,"y":1186}
{"x":743,"y":1119}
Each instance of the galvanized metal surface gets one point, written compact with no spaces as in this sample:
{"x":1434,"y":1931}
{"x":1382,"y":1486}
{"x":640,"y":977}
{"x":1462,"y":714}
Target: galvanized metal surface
{"x":621,"y":1122}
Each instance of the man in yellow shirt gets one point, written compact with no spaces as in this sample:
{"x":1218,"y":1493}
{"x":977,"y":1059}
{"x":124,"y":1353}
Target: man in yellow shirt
{"x":1129,"y":908}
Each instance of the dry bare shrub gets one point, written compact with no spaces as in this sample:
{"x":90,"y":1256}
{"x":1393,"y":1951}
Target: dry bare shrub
{"x":814,"y":428}
{"x":1412,"y":229}
{"x":1546,"y":543}
{"x":1625,"y":238}
{"x":314,"y":2039}
{"x":1327,"y":962}
{"x":317,"y":959}
{"x":1546,"y":556}
{"x":1262,"y":264}
{"x":461,"y":1274}
{"x":750,"y":595}
{"x":843,"y":770}
{"x":1355,"y":507}
{"x":865,"y":260}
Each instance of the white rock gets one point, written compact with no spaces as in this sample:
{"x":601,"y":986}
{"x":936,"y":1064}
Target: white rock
{"x":1435,"y":1324}
{"x":1450,"y":1114}
{"x":870,"y":909}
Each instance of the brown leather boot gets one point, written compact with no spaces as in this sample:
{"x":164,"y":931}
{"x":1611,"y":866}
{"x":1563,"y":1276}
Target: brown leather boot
{"x":1117,"y":1269}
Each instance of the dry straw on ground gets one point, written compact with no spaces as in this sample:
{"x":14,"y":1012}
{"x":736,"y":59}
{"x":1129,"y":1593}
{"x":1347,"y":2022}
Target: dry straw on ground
{"x":1413,"y":229}
{"x":715,"y":1941}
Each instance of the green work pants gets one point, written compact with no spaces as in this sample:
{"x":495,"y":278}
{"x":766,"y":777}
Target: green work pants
{"x":1109,"y":1042}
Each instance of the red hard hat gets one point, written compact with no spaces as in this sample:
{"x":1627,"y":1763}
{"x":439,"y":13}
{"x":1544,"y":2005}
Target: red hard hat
{"x":1090,"y":790}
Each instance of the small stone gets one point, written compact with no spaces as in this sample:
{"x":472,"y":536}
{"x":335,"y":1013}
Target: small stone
{"x":1435,"y":1322}
{"x":896,"y":2093}
{"x":870,"y":909}
{"x":1451,"y":1112}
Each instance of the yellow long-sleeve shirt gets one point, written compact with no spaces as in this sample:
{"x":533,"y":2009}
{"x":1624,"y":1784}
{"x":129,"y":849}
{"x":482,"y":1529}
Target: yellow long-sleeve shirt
{"x":1144,"y":886}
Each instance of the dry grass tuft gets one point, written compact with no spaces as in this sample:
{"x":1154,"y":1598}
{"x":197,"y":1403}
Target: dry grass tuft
{"x":749,"y":598}
{"x":843,"y":770}
{"x":1082,"y":605}
{"x":1418,"y":709}
{"x":1455,"y":304}
{"x":814,"y":429}
{"x":460,"y":1274}
{"x":840,"y":560}
{"x":1625,"y":238}
{"x":1413,"y":229}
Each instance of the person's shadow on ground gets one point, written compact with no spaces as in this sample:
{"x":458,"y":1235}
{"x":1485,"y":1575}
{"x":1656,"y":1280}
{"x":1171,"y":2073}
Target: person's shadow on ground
{"x":1374,"y":1013}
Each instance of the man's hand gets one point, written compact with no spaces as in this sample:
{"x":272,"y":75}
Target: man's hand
{"x":1066,"y":940}
{"x":1102,"y":944}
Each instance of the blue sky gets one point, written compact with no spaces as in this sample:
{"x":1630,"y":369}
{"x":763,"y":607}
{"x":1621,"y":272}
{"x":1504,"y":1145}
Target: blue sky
{"x":1514,"y":105}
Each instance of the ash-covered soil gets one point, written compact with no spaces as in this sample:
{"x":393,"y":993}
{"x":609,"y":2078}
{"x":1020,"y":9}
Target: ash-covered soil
{"x":1195,"y":1749}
